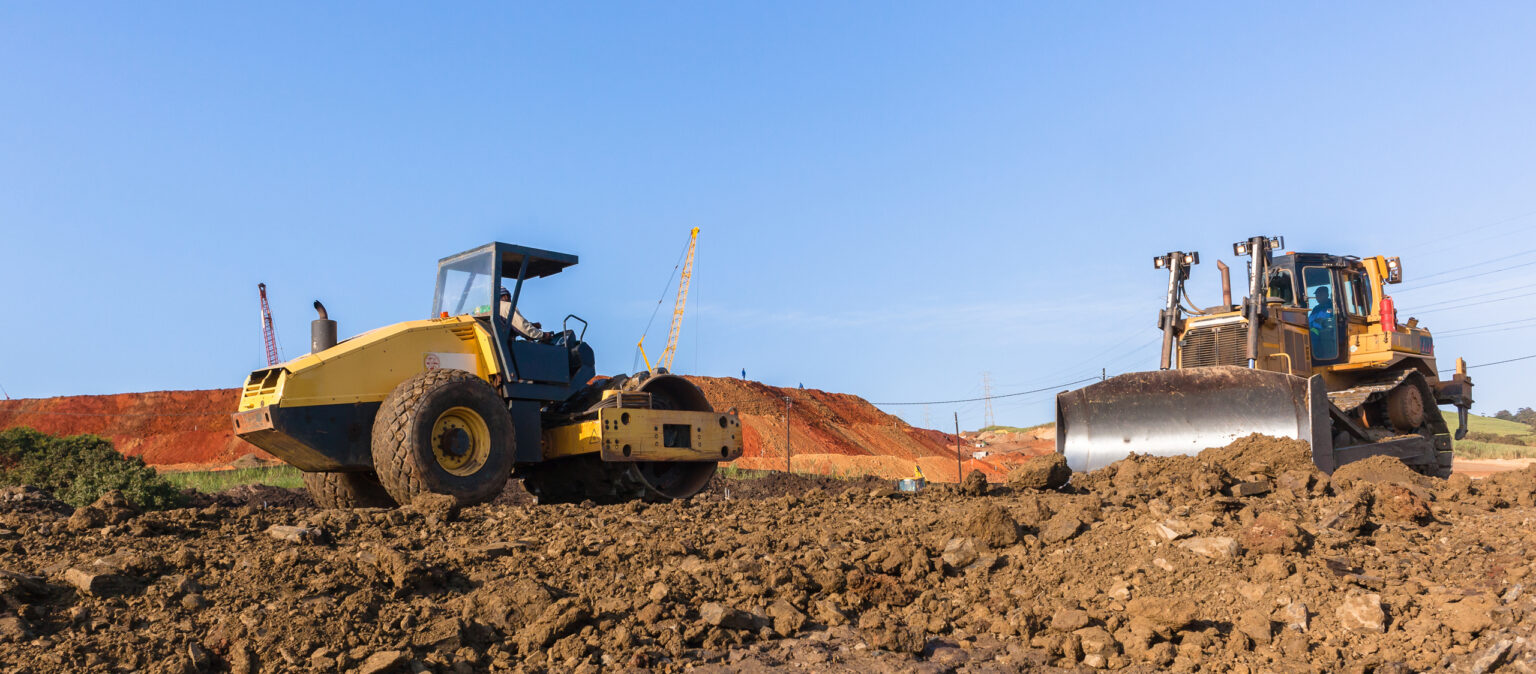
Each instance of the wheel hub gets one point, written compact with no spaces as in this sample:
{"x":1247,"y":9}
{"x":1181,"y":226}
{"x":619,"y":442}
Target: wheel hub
{"x":461,"y":441}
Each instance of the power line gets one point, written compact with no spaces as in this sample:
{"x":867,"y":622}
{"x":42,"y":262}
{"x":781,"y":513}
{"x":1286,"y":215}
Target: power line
{"x":1497,"y":362}
{"x":1474,"y":304}
{"x":1464,"y":298}
{"x":1485,"y":325}
{"x":1463,"y":278}
{"x":1475,"y":264}
{"x":1006,"y":395}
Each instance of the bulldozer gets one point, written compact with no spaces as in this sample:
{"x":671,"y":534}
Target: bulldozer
{"x":464,"y":400}
{"x":1313,"y":352}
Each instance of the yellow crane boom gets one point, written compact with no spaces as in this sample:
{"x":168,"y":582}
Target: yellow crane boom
{"x":682,"y":301}
{"x":670,"y":351}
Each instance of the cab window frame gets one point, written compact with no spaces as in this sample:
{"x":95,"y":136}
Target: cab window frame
{"x":1290,"y":279}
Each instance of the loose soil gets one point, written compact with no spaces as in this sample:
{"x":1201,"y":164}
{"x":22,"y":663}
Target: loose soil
{"x":1243,"y":559}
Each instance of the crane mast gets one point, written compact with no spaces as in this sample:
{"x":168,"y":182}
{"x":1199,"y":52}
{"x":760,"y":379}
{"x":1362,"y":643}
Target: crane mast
{"x":268,"y":334}
{"x":682,"y":301}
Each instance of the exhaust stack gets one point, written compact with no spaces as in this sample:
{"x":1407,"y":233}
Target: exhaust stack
{"x":322,"y":331}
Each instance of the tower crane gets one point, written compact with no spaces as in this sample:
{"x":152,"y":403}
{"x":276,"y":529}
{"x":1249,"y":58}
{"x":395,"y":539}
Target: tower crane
{"x":268,"y":334}
{"x":667,"y":354}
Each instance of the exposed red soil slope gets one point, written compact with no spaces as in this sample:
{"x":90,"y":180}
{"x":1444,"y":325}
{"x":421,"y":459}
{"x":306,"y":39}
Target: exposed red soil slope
{"x":162,"y":427}
{"x":831,"y":433}
{"x":834,"y":433}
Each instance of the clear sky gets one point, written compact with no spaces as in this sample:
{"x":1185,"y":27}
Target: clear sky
{"x":894,"y":197}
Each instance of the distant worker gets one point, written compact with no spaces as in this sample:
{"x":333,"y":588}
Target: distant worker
{"x":743,"y":373}
{"x":520,"y":326}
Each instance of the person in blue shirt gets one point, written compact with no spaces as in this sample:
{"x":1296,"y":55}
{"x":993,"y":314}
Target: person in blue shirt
{"x":1321,"y":324}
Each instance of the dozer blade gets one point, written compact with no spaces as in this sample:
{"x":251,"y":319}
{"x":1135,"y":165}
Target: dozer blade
{"x":1169,"y":412}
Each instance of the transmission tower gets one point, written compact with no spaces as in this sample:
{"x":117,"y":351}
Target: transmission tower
{"x":986,"y":392}
{"x":927,"y":420}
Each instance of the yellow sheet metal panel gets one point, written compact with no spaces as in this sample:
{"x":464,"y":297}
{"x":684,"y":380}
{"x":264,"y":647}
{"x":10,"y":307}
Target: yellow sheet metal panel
{"x":628,"y":434}
{"x":263,"y":387}
{"x":367,"y":367}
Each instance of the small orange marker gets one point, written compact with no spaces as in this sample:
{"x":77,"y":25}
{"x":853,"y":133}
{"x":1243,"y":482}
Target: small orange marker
{"x":445,"y":314}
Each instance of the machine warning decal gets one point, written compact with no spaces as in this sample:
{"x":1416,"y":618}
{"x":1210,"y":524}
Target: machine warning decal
{"x":450,"y":361}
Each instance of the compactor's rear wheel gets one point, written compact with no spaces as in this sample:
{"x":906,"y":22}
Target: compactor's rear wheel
{"x":444,"y":432}
{"x":347,"y":490}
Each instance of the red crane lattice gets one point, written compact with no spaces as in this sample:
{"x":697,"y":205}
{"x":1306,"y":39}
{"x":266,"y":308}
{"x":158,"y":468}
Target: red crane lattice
{"x":268,"y":334}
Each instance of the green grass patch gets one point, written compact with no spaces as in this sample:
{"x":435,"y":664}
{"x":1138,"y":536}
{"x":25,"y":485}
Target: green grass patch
{"x":734,"y":473}
{"x":210,"y":481}
{"x":1511,"y":439}
{"x":1012,"y":429}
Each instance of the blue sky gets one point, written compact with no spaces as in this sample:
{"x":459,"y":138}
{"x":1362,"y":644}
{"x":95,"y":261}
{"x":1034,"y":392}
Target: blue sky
{"x":894,"y":197}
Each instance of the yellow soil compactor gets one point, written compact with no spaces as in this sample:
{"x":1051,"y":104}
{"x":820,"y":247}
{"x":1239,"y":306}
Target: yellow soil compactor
{"x":1314,"y":352}
{"x":458,"y":403}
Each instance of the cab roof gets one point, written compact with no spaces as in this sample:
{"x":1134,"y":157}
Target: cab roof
{"x":510,"y":259}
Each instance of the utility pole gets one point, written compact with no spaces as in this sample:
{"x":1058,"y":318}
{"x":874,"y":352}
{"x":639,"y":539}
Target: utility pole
{"x":986,"y":392}
{"x":788,"y":451}
{"x":1103,"y":373}
{"x":959,"y":476}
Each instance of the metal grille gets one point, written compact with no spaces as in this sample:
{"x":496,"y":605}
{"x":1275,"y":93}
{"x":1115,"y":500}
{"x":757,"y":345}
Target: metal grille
{"x":1216,"y":345}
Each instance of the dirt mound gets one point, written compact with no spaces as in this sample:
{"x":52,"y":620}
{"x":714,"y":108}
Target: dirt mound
{"x":1261,"y":455}
{"x":789,"y":572}
{"x":1381,"y":470}
{"x":161,"y":427}
{"x":823,"y":427}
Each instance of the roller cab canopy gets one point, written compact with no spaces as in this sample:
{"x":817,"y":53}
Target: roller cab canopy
{"x":467,"y":282}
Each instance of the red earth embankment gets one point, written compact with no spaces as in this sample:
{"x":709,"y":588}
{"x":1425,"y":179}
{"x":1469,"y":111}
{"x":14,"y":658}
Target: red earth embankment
{"x":835,"y":434}
{"x":831,"y":433}
{"x":161,"y":427}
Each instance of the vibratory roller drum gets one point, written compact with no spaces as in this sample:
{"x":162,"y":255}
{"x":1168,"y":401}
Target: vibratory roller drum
{"x":588,"y":477}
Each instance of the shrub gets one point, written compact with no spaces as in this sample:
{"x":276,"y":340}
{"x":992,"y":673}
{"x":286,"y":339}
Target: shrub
{"x":78,"y":469}
{"x":1480,"y":436}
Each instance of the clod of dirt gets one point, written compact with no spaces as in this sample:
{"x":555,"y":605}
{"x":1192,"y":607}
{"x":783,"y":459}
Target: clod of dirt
{"x":382,"y":662}
{"x":721,"y":616}
{"x":1047,"y":471}
{"x":436,"y":508}
{"x":1214,"y":547}
{"x":1352,"y":512}
{"x":110,"y":508}
{"x":993,"y":526}
{"x":1165,"y":612}
{"x":1270,"y":533}
{"x":1400,"y":503}
{"x":1061,"y":527}
{"x":959,"y":552}
{"x":1362,"y":613}
{"x":975,"y":484}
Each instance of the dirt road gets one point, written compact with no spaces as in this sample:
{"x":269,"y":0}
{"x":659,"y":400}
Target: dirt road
{"x":1245,"y":560}
{"x":1486,"y":467}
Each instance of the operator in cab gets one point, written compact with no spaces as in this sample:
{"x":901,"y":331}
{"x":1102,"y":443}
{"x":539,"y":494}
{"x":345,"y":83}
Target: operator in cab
{"x":521,"y":327}
{"x":1322,"y":326}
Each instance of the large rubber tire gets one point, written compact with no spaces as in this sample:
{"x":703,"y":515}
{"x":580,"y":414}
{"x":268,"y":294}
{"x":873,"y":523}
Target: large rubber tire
{"x":347,"y":490}
{"x":403,"y":451}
